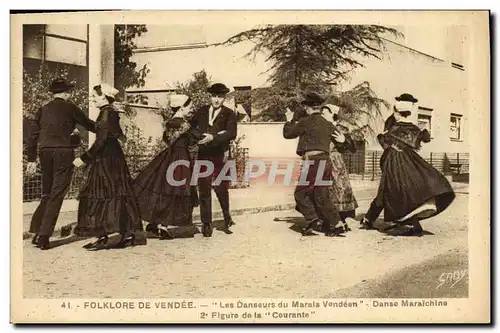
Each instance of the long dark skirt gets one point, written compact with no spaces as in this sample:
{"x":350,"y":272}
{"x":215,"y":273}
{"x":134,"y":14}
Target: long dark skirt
{"x":342,"y":193}
{"x":408,"y":182}
{"x":107,"y":202}
{"x":161,"y":202}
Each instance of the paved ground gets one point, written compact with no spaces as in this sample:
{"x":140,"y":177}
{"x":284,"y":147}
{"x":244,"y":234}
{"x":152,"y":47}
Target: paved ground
{"x":270,"y":197}
{"x":263,"y":258}
{"x":446,"y":275}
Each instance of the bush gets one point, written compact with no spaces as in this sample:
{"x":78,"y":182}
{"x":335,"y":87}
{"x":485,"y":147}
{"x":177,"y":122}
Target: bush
{"x":240,"y":155}
{"x":138,"y":149}
{"x":36,"y":93}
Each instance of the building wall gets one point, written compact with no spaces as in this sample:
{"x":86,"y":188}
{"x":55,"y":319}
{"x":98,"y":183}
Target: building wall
{"x":60,"y":47}
{"x":435,"y":83}
{"x":440,"y":88}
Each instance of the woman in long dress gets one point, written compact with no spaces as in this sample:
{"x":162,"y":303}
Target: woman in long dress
{"x":410,"y":189}
{"x":342,"y":193}
{"x":163,"y":203}
{"x":107,"y":204}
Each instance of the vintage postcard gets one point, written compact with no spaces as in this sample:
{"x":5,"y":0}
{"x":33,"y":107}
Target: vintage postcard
{"x":250,"y":167}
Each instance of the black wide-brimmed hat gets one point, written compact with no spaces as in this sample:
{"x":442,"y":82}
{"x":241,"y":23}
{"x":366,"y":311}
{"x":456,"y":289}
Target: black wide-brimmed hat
{"x":60,"y":85}
{"x":406,"y":98}
{"x":218,"y":89}
{"x":312,"y":99}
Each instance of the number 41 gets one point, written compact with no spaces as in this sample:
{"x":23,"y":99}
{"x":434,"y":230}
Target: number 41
{"x":66,"y":305}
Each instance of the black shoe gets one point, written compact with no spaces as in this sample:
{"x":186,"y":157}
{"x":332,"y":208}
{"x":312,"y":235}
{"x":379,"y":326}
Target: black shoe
{"x":164,"y":233}
{"x":346,"y":227}
{"x":100,"y":243}
{"x":34,"y":240}
{"x":227,"y":224}
{"x":336,"y":232}
{"x":43,"y":242}
{"x":309,"y":230}
{"x":153,"y":228}
{"x":125,"y":242}
{"x":207,"y":230}
{"x":366,"y":224}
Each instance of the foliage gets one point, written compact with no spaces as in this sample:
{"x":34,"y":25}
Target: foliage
{"x":126,"y":72}
{"x":196,"y":88}
{"x":137,"y":149}
{"x":36,"y":93}
{"x":239,"y":154}
{"x":312,"y":58}
{"x":358,"y":108}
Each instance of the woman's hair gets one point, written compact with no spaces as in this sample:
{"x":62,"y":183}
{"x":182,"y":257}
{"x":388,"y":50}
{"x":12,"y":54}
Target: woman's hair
{"x":99,"y":92}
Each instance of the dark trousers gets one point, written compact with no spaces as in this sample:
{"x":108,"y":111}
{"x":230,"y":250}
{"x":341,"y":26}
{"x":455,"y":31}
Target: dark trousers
{"x":57,"y":170}
{"x":205,"y":191}
{"x":315,"y":202}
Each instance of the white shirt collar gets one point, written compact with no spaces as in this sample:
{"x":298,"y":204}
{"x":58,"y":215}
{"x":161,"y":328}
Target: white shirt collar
{"x":210,"y":118}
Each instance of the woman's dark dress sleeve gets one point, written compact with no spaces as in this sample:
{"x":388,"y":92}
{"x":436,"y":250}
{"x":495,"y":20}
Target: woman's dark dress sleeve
{"x":107,"y":120}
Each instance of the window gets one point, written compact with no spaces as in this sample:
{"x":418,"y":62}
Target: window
{"x":57,"y":43}
{"x":424,"y":122}
{"x":425,"y":118}
{"x":243,"y":103}
{"x":65,"y":51}
{"x":74,"y":31}
{"x":455,"y":127}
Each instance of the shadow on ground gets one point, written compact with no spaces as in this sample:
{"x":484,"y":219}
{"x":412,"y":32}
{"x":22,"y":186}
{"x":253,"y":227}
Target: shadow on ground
{"x":387,"y":228}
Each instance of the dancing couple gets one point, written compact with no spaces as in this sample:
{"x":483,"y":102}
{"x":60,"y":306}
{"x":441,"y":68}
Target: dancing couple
{"x":410,"y":189}
{"x":110,"y":201}
{"x":191,"y":135}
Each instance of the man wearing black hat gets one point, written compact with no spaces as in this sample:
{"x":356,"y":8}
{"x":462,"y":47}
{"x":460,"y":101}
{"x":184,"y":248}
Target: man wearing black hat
{"x":313,"y":199}
{"x":51,"y":132}
{"x":404,"y":103}
{"x":218,"y":123}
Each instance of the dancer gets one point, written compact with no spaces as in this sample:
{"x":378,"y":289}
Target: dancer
{"x":314,"y":199}
{"x":164,"y":203}
{"x":375,"y":209}
{"x":53,"y":131}
{"x":342,"y":193}
{"x":218,"y":124}
{"x":410,"y":189}
{"x":107,"y":202}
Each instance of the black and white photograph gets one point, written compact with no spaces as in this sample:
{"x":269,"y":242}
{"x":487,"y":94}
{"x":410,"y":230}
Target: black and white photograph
{"x":260,"y":167}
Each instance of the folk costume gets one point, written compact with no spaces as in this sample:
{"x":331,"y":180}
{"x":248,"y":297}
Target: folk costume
{"x":164,"y":203}
{"x":221,"y":124}
{"x":313,"y":199}
{"x":53,"y":132}
{"x":107,"y":203}
{"x":342,"y":193}
{"x":410,"y":189}
{"x":375,"y":208}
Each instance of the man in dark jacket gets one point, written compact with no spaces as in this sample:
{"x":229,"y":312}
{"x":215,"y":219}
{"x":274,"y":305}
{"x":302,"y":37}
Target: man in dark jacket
{"x":51,"y":132}
{"x":219,"y":125}
{"x":313,"y":199}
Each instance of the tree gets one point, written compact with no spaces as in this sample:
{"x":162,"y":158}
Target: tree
{"x":312,"y":58}
{"x":126,"y":72}
{"x":196,"y":88}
